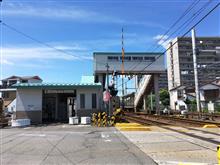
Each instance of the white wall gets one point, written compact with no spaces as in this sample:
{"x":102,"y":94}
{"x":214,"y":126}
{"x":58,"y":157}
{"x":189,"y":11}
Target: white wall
{"x":29,"y":100}
{"x":12,"y":106}
{"x":88,"y":97}
{"x":173,"y":98}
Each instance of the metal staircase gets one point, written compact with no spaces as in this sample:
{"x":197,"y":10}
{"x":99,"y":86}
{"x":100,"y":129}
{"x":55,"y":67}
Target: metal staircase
{"x":142,"y":89}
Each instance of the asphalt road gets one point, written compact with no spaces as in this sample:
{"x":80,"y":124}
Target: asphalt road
{"x":65,"y":144}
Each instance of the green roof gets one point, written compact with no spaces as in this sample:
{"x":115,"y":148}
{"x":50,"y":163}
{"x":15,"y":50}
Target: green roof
{"x":56,"y":85}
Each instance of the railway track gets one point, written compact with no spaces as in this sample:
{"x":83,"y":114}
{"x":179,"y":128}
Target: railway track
{"x":166,"y":120}
{"x":185,"y":123}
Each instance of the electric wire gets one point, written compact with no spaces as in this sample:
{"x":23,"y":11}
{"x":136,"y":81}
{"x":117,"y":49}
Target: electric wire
{"x":41,"y":42}
{"x":197,"y":23}
{"x":190,"y":7}
{"x":185,"y":24}
{"x":197,"y":13}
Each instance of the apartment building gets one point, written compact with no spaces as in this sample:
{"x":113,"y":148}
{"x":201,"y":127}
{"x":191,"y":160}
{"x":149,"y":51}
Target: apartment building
{"x":180,"y":62}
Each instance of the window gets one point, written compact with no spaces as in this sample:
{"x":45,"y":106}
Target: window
{"x":149,"y":59}
{"x":138,"y":58}
{"x":82,"y":101}
{"x":11,"y":82}
{"x":5,"y":95}
{"x":94,"y":100}
{"x":126,"y":58}
{"x":113,"y":58}
{"x":184,"y":72}
{"x":24,"y":81}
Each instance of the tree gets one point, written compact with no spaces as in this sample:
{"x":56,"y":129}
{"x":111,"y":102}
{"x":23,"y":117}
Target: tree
{"x":191,"y":104}
{"x":165,"y":97}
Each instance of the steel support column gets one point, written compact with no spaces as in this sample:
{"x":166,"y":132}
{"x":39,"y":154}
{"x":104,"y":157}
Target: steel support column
{"x":156,"y":91}
{"x":145,"y":102}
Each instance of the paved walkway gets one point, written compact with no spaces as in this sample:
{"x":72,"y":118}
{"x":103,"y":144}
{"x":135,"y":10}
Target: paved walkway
{"x":174,"y":145}
{"x":65,"y":144}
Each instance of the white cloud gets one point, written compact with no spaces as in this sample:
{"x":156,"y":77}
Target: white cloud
{"x":22,"y":53}
{"x":72,"y":13}
{"x":162,"y":40}
{"x":158,"y":37}
{"x":4,"y":61}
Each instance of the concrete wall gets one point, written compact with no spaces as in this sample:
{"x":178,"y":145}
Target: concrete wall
{"x":12,"y":106}
{"x":29,"y":104}
{"x":173,"y":98}
{"x":88,"y":101}
{"x":115,"y":65}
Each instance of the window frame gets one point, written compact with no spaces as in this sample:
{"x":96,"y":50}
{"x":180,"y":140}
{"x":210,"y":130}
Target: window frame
{"x":82,"y":98}
{"x":94,"y":100}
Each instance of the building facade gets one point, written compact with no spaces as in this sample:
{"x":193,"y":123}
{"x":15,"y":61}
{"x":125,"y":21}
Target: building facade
{"x":8,"y":94}
{"x":180,"y":61}
{"x":50,"y":102}
{"x":180,"y":70}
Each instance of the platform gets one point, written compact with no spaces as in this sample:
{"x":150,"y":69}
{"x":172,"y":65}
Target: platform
{"x":177,"y":145}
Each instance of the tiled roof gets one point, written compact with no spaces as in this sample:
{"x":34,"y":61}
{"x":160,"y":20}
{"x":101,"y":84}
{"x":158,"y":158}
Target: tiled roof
{"x":22,"y":78}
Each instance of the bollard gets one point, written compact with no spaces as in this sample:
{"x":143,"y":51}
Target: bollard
{"x":112,"y":121}
{"x":99,"y":119}
{"x":94,"y":119}
{"x":104,"y":119}
{"x":218,"y":154}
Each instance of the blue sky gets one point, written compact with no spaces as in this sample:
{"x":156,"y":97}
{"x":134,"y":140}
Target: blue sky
{"x":81,"y":27}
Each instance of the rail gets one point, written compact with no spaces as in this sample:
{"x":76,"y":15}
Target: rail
{"x":167,"y":120}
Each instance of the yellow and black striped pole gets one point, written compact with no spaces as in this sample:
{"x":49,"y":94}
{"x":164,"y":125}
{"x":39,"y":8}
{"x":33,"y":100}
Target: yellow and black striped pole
{"x":94,"y":119}
{"x":218,"y":154}
{"x":99,"y":119}
{"x":104,"y":119}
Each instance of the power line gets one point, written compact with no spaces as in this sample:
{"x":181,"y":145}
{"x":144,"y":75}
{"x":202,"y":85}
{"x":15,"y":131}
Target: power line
{"x":190,"y":7}
{"x":216,"y":6}
{"x":185,"y":33}
{"x":41,"y":42}
{"x":36,"y":40}
{"x":197,"y":13}
{"x":187,"y":22}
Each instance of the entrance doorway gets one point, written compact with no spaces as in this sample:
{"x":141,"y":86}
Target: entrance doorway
{"x":56,"y":107}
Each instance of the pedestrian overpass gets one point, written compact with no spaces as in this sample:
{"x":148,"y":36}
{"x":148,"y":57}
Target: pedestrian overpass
{"x":134,"y":64}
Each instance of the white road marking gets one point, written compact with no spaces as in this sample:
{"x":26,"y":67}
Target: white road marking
{"x":35,"y":135}
{"x":27,"y":127}
{"x":105,"y":137}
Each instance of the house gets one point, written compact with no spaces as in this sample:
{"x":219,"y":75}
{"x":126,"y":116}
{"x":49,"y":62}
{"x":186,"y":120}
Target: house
{"x":49,"y":102}
{"x":8,"y":94}
{"x":209,"y":92}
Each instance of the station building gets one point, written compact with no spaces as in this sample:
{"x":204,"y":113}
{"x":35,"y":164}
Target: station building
{"x":50,"y":102}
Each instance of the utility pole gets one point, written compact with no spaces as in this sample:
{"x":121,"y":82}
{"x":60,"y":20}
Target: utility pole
{"x":107,"y":84}
{"x":1,"y":56}
{"x":195,"y":70}
{"x":122,"y":67}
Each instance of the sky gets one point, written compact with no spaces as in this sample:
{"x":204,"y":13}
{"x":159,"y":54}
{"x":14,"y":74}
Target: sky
{"x":77,"y":28}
